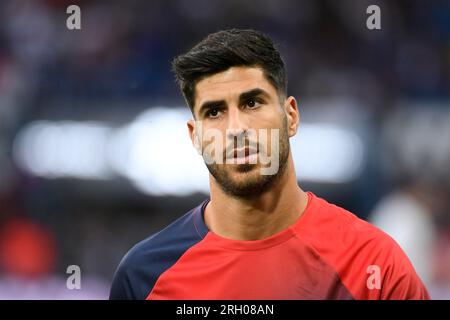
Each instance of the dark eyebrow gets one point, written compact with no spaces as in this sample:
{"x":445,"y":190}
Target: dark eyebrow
{"x":242,"y":97}
{"x":253,"y":93}
{"x":210,"y":105}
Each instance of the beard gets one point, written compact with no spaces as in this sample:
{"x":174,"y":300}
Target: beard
{"x":245,"y":180}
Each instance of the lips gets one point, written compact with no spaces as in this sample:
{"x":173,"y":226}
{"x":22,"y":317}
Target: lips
{"x":245,"y":152}
{"x":242,"y":155}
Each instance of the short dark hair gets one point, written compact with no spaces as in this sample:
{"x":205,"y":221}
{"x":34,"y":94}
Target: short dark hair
{"x":225,"y":49}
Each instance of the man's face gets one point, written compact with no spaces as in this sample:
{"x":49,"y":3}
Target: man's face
{"x":241,"y":127}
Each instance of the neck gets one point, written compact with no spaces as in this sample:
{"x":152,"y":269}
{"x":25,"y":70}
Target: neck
{"x":256,"y":217}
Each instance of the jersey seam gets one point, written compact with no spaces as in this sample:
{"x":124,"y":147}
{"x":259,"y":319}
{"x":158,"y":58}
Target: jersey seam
{"x":172,"y":266}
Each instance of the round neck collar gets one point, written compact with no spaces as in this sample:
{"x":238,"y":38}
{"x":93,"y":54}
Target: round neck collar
{"x":246,"y":245}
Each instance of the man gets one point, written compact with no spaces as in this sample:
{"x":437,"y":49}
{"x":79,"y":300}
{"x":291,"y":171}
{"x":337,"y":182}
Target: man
{"x":259,"y":236}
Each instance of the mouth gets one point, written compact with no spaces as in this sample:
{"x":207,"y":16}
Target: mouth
{"x":243,"y":155}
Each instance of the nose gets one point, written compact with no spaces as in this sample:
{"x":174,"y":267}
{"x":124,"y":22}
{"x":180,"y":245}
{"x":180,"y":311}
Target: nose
{"x":237,"y":124}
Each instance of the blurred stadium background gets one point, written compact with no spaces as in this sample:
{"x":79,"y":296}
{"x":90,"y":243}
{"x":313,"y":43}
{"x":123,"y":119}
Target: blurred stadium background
{"x":94,"y":154}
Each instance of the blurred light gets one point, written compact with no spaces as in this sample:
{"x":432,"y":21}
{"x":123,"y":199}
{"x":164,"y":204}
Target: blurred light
{"x":325,"y":153}
{"x":26,"y":248}
{"x":155,"y":153}
{"x":63,"y":149}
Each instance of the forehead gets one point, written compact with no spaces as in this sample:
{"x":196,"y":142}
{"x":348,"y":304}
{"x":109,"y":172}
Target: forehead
{"x":230,"y":83}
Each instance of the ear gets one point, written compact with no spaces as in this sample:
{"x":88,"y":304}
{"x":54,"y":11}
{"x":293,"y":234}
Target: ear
{"x":292,"y":114}
{"x":193,"y":128}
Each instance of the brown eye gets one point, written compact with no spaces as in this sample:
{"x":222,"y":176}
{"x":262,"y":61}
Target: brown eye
{"x":252,"y":103}
{"x":213,"y":113}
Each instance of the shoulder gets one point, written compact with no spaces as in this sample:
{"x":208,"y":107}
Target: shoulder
{"x":330,"y":224}
{"x":355,"y":248}
{"x":146,"y":261}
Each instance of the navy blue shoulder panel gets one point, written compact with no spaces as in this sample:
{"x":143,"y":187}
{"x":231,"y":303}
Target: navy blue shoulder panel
{"x":146,"y":261}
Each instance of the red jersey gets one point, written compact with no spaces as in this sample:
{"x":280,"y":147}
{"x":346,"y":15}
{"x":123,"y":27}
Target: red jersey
{"x":328,"y":253}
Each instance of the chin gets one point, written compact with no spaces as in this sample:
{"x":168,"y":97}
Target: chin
{"x":241,"y":180}
{"x":245,"y":167}
{"x":246,"y":184}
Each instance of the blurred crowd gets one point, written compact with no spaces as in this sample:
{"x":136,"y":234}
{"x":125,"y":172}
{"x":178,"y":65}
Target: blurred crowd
{"x":118,"y":64}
